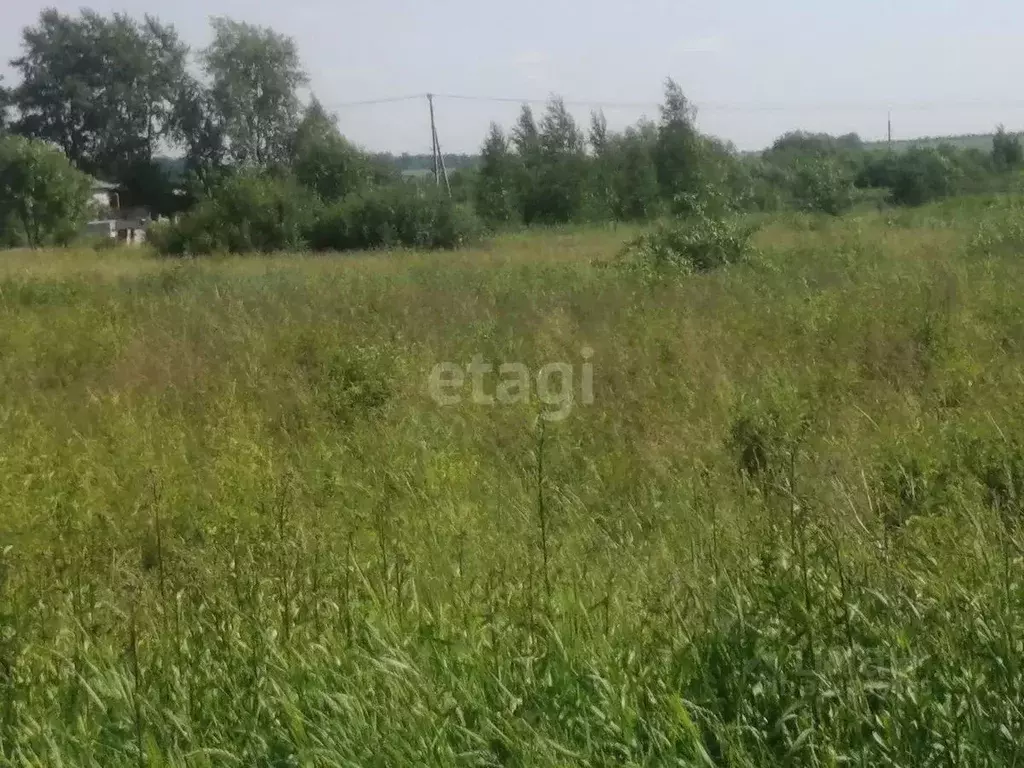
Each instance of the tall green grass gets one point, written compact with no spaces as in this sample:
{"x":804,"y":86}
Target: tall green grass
{"x":237,"y":531}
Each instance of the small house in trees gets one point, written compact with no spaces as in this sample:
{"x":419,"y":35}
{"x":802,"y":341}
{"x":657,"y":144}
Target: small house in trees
{"x":126,"y":224}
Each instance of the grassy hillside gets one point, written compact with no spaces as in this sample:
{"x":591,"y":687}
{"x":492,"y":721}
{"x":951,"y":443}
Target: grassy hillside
{"x":238,"y":531}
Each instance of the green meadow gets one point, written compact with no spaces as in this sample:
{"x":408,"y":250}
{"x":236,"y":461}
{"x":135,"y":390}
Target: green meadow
{"x":236,"y":530}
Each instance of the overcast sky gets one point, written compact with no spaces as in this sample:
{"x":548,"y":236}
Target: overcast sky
{"x":755,"y":69}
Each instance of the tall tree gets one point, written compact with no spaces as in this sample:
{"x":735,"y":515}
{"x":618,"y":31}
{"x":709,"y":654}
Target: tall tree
{"x":561,"y":183}
{"x":635,"y":179}
{"x":678,"y":152}
{"x":1007,"y":153}
{"x":255,"y":75}
{"x":598,"y":131}
{"x":40,"y":191}
{"x":526,"y":141}
{"x":102,"y":89}
{"x":601,"y":203}
{"x":324,"y":161}
{"x":199,"y":128}
{"x":495,"y":190}
{"x":526,"y":137}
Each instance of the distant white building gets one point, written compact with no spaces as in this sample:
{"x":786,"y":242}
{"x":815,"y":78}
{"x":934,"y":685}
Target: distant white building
{"x":124,"y":224}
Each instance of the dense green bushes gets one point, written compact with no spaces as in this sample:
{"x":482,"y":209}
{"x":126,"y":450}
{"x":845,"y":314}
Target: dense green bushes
{"x":247,"y":212}
{"x":251,"y":212}
{"x":394,"y":216}
{"x":690,"y":246}
{"x":43,"y":198}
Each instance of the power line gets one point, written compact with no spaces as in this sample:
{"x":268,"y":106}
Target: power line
{"x":567,"y":102}
{"x":710,"y":106}
{"x":370,"y":102}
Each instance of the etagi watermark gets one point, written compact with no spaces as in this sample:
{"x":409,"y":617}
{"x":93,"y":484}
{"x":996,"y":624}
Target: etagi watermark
{"x":514,"y":384}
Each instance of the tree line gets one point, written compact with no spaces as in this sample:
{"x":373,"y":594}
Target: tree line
{"x":111,"y":96}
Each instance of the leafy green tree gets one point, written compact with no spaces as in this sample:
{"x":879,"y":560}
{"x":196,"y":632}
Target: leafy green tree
{"x":627,"y":173}
{"x":255,"y":75}
{"x":600,"y":192}
{"x":495,"y":190}
{"x":1007,"y":153}
{"x":199,"y":127}
{"x":525,"y":140}
{"x":102,"y":89}
{"x":40,"y":191}
{"x":678,"y":155}
{"x":324,"y":161}
{"x":598,"y":131}
{"x":921,"y":175}
{"x":636,"y":179}
{"x":463,"y":182}
{"x":562,"y":177}
{"x":821,"y":184}
{"x":766,"y":186}
{"x":526,"y":136}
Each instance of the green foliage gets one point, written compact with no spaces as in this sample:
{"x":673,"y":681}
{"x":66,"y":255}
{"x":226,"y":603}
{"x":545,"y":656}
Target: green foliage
{"x":201,"y":129}
{"x":1000,"y":232}
{"x":102,"y":89}
{"x":624,"y":185}
{"x":558,"y":193}
{"x":325,"y":163}
{"x":821,"y":185}
{"x":691,"y":246}
{"x":552,"y":166}
{"x":390,"y":217}
{"x":923,"y":175}
{"x":248,"y":212}
{"x":801,"y":144}
{"x":255,"y":75}
{"x":41,"y":195}
{"x":149,"y":184}
{"x":1007,"y":153}
{"x":495,"y":184}
{"x":678,"y":151}
{"x":5,"y":103}
{"x":236,"y":531}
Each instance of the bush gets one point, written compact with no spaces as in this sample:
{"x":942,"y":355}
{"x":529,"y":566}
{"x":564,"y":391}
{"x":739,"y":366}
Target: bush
{"x":247,"y":212}
{"x":1000,"y":234}
{"x":395,"y":216}
{"x":923,"y":175}
{"x":43,"y":198}
{"x":821,"y":185}
{"x":699,"y":245}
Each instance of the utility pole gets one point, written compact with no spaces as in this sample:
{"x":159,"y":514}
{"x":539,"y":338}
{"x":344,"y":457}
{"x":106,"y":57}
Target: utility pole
{"x":433,"y":138}
{"x":890,"y":130}
{"x":439,"y":167}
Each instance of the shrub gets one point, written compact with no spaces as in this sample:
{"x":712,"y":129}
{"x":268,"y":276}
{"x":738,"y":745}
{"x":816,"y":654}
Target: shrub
{"x":395,"y":216}
{"x":247,"y":212}
{"x":1000,"y":234}
{"x":923,"y":175}
{"x":698,"y":245}
{"x":43,"y":198}
{"x":821,"y":185}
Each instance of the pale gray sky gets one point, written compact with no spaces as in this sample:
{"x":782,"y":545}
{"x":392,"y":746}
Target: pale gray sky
{"x":755,"y":69}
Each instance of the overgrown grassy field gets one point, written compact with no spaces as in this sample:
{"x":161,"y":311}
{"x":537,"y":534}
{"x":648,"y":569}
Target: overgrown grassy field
{"x":236,"y":530}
